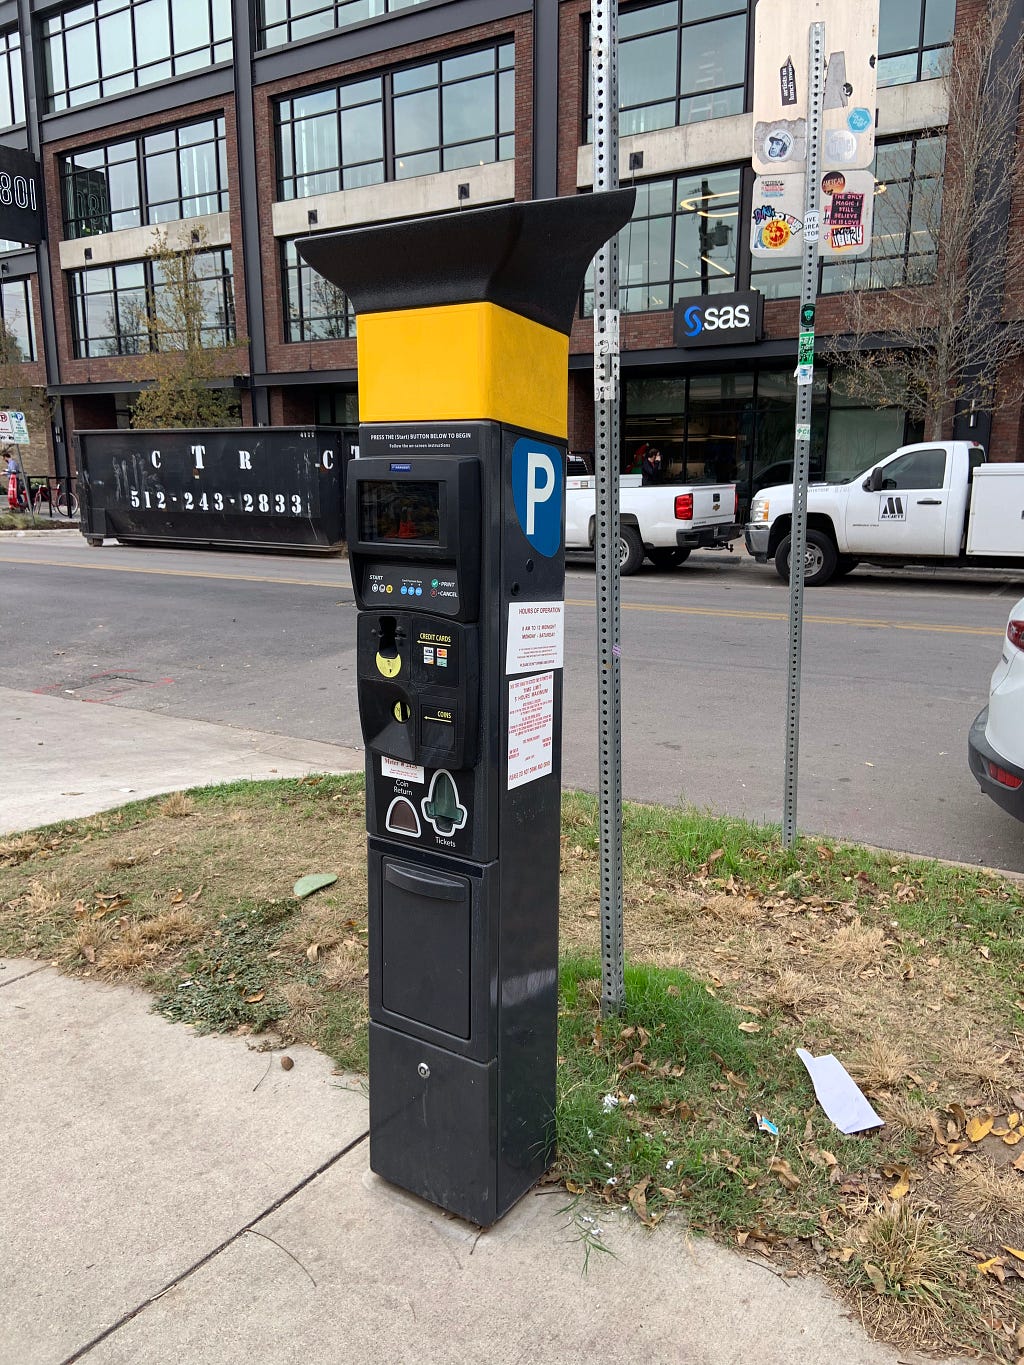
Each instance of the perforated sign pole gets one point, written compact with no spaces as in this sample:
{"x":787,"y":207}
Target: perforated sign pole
{"x":802,"y":444}
{"x":604,"y":65}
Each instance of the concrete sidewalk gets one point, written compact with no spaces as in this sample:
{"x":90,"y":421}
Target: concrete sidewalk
{"x":67,"y":758}
{"x":167,"y":1197}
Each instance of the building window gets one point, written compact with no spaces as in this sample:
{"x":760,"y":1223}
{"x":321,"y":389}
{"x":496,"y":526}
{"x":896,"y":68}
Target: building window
{"x":680,"y":241}
{"x":110,"y":306}
{"x":106,"y":47}
{"x":436,"y":116}
{"x":286,"y":21}
{"x":164,"y":176}
{"x":680,"y":61}
{"x":914,"y":38}
{"x":12,"y":89}
{"x":904,"y":235}
{"x":908,"y":203}
{"x":19,"y":342}
{"x":315,"y":309}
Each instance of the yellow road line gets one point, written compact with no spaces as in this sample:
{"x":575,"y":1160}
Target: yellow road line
{"x":725,"y":613}
{"x":862,"y":621}
{"x":178,"y":573}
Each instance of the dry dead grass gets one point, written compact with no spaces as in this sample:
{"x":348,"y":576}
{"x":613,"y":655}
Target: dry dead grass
{"x":991,"y":1202}
{"x":920,"y":1029}
{"x":177,"y":806}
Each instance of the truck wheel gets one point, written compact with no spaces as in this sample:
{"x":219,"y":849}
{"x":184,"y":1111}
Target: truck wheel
{"x":845,"y":564}
{"x":819,"y":561}
{"x":94,"y":541}
{"x":631,"y":550}
{"x":668,"y":558}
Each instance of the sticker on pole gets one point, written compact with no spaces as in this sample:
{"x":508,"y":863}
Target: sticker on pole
{"x":537,"y":493}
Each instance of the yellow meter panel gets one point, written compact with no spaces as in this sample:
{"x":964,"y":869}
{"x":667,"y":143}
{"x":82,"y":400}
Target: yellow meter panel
{"x":389,"y":665}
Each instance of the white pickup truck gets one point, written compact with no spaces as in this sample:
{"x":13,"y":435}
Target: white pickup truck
{"x":662,"y":521}
{"x":933,"y":503}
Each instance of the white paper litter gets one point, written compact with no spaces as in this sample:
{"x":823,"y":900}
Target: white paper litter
{"x":839,"y":1094}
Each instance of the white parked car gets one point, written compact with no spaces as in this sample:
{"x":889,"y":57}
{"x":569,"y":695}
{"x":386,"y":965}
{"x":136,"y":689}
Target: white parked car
{"x":995,"y":747}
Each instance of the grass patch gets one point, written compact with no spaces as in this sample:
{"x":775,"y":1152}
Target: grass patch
{"x":739,"y":951}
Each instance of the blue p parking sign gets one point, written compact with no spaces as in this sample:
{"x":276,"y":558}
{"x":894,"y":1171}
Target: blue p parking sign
{"x":537,"y":493}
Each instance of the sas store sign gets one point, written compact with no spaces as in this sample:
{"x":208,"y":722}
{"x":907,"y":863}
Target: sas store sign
{"x":719,"y":319}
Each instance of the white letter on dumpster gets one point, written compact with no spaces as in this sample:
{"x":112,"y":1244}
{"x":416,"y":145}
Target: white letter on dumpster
{"x":327,"y":459}
{"x":155,"y":459}
{"x":199,"y":452}
{"x":245,"y":459}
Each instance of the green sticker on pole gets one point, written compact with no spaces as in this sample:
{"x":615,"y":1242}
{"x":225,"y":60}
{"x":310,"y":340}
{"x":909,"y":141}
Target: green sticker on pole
{"x":805,"y":349}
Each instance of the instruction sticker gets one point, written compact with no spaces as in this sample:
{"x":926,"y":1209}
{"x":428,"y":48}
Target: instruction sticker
{"x":531,"y":720}
{"x":536,"y":636}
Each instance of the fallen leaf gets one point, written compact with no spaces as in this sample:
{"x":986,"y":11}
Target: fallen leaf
{"x":1019,"y":1255}
{"x":638,"y":1200}
{"x":255,"y":999}
{"x":313,"y":952}
{"x":994,"y":1266}
{"x":1013,"y":1138}
{"x":876,"y":1277}
{"x":748,"y":1027}
{"x":902,"y":1186}
{"x":314,"y":881}
{"x":736,"y":1081}
{"x":986,"y":953}
{"x":89,"y":953}
{"x":195,"y":895}
{"x":979,"y":1128}
{"x":781,"y":1167}
{"x":1018,"y":1165}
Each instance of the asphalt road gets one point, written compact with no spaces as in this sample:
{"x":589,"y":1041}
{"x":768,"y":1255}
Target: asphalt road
{"x":894,"y":671}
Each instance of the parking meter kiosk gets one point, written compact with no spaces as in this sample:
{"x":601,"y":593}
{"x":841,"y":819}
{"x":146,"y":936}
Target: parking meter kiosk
{"x":455,"y":511}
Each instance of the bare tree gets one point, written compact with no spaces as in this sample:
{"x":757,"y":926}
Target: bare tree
{"x":191,"y":331}
{"x":924,"y":318}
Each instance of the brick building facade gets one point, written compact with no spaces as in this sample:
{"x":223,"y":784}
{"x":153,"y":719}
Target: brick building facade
{"x":261,"y":122}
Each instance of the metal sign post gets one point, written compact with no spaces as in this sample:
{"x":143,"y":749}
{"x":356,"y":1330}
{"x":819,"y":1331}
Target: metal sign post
{"x":604,"y":24}
{"x":802,"y":444}
{"x":814,"y":138}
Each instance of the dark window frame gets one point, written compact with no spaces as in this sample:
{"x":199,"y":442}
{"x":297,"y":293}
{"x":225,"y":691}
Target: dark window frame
{"x":22,"y":287}
{"x":12,"y":76}
{"x":325,"y":18}
{"x":922,"y":53}
{"x":137,"y":328}
{"x":740,"y":10}
{"x":762,"y":270}
{"x":144,"y":209}
{"x":685,"y":287}
{"x":285,"y":123}
{"x":180,"y":59}
{"x":298,"y":324}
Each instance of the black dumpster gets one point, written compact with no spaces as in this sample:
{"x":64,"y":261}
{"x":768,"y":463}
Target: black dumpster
{"x":257,"y":487}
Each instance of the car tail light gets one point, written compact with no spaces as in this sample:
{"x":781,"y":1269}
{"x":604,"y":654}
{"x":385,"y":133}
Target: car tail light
{"x":1015,"y":633}
{"x":736,"y":505}
{"x":684,"y":507}
{"x":1004,"y":778}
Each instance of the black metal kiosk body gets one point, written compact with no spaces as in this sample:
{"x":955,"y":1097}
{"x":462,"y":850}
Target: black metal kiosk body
{"x":455,"y":513}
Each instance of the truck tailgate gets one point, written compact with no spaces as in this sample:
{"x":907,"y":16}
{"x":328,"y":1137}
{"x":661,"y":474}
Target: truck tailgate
{"x":713,"y":503}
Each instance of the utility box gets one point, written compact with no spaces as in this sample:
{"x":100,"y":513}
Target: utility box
{"x":995,"y":525}
{"x":455,"y":514}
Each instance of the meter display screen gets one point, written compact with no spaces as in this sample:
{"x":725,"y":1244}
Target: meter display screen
{"x":390,"y":510}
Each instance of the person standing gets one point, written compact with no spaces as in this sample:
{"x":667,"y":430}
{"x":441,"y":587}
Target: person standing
{"x":14,"y":495}
{"x":652,"y":469}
